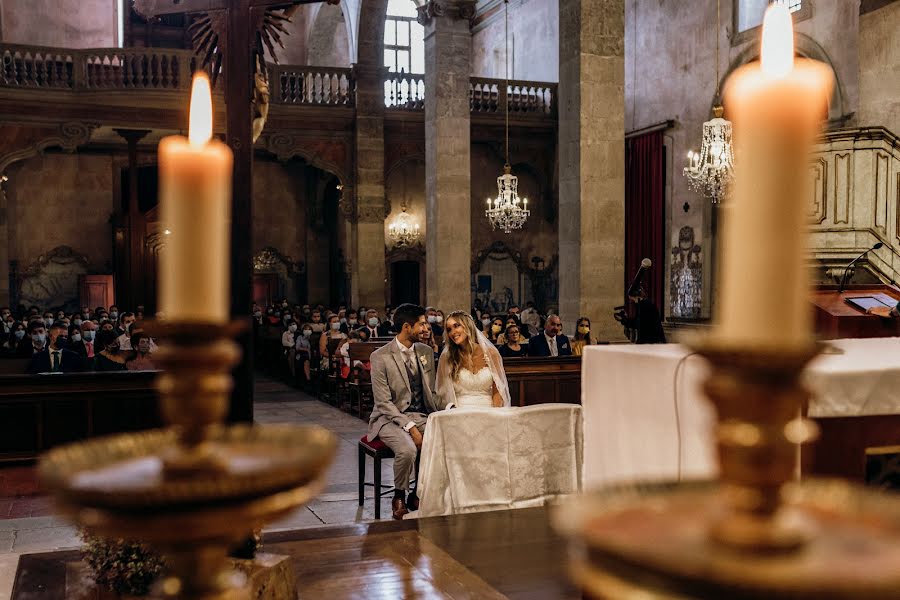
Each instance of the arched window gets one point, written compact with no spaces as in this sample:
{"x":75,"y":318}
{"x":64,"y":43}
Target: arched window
{"x":749,"y":13}
{"x":404,"y":39}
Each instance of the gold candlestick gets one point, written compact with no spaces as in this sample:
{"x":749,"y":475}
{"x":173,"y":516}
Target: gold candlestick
{"x":196,"y":489}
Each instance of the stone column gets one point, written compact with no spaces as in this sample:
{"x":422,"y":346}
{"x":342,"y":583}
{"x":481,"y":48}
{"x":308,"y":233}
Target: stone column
{"x":448,"y":65}
{"x":591,"y":163}
{"x":368,"y":257}
{"x":5,"y":300}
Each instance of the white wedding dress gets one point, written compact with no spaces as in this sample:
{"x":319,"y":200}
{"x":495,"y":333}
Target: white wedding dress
{"x":474,"y":390}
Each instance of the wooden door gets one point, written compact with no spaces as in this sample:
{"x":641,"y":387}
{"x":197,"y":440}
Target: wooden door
{"x":96,"y":290}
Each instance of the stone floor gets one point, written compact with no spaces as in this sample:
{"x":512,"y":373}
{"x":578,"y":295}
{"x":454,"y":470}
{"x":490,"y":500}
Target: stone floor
{"x":27,"y":523}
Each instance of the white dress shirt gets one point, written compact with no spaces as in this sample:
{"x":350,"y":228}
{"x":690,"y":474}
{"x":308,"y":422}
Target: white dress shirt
{"x":551,"y":343}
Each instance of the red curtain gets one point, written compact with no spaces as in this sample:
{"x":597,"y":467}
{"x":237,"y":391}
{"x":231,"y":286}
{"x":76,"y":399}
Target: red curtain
{"x":645,"y":213}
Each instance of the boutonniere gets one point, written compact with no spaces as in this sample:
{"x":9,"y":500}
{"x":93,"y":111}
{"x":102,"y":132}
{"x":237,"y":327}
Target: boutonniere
{"x":424,"y":360}
{"x":565,"y":345}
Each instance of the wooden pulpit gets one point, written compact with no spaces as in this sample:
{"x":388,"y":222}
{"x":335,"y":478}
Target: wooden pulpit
{"x":841,"y":314}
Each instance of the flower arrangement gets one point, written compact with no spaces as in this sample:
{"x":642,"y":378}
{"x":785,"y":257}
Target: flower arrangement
{"x":122,"y":567}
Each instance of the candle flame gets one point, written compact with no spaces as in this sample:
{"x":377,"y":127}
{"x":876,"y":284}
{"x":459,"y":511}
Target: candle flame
{"x":777,"y":54}
{"x":200,"y":129}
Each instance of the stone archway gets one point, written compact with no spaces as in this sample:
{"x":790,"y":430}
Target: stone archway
{"x":329,"y":43}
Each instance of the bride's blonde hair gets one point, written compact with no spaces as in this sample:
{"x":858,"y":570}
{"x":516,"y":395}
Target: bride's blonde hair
{"x":454,"y":351}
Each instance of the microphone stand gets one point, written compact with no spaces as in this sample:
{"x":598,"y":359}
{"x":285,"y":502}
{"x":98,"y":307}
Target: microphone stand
{"x":853,"y":262}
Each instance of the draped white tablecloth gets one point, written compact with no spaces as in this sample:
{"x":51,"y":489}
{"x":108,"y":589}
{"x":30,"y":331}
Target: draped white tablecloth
{"x":476,"y":459}
{"x":645,"y":416}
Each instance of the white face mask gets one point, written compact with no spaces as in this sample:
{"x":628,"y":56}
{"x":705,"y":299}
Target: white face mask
{"x":373,"y":322}
{"x":432,"y":319}
{"x":89,"y":336}
{"x":307,"y":333}
{"x":440,"y":319}
{"x":335,"y":326}
{"x":292,"y":328}
{"x":76,"y":337}
{"x":352,"y":321}
{"x":485,"y":322}
{"x":20,"y":334}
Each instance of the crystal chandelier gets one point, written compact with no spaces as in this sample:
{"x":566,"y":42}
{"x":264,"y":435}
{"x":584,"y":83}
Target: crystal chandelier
{"x":507,"y":211}
{"x":403,"y":231}
{"x":711,"y":171}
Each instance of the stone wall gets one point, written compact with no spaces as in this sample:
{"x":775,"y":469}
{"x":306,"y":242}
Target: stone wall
{"x":670,"y":51}
{"x":279,"y":208}
{"x":406,"y":184}
{"x":533,"y":42}
{"x":327,"y":38}
{"x":61,"y":23}
{"x":61,"y":200}
{"x":879,"y":68}
{"x":295,"y":47}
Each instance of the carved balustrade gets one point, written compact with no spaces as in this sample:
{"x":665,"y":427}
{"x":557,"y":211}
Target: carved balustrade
{"x":95,"y":69}
{"x":325,"y":86}
{"x":161,"y":69}
{"x":489,"y":96}
{"x":404,"y":91}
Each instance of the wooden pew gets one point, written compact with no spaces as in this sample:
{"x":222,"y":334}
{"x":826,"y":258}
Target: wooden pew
{"x":360,"y":382}
{"x":38,"y":412}
{"x":535,"y":380}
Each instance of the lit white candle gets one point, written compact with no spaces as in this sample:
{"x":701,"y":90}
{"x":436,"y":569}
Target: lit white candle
{"x":195,"y":207}
{"x":778,"y":107}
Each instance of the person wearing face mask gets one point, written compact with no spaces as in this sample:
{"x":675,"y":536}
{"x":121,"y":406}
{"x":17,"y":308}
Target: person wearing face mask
{"x":48,"y":320}
{"x":486,"y":323}
{"x":76,"y":343}
{"x":582,"y":336}
{"x":352,"y":321}
{"x":333,"y":333}
{"x":56,"y":357}
{"x":35,"y":339}
{"x":17,"y":337}
{"x":141,"y":359}
{"x":130,"y":326}
{"x":287,"y":345}
{"x":303,"y":354}
{"x":110,"y":358}
{"x":372,"y":324}
{"x":85,"y":347}
{"x":495,"y":329}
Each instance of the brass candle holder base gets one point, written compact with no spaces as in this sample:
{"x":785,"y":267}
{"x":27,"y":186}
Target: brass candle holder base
{"x":758,"y":533}
{"x":196,"y":489}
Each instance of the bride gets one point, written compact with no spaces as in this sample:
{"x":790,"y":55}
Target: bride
{"x":470,"y":371}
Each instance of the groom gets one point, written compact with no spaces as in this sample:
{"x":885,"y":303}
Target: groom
{"x":403,"y":378}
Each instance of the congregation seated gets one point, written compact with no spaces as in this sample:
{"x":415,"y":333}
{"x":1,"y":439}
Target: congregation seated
{"x":55,"y":356}
{"x":513,"y":346}
{"x":551,"y":342}
{"x":582,"y":336}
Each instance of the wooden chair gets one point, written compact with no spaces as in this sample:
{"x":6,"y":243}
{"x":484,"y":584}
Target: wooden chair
{"x":360,"y":384}
{"x":379,"y":451}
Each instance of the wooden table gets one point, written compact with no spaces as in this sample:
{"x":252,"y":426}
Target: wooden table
{"x":492,"y":555}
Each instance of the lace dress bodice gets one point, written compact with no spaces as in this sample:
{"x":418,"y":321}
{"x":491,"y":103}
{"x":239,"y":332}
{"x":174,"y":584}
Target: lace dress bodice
{"x":474,"y":389}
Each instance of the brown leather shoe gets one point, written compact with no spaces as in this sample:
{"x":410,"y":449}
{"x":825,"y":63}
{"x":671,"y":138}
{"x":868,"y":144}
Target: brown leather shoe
{"x":412,"y":502}
{"x":398,"y":508}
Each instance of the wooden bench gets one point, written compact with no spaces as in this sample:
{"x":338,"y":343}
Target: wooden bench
{"x":360,"y":382}
{"x":38,"y":412}
{"x":536,"y":380}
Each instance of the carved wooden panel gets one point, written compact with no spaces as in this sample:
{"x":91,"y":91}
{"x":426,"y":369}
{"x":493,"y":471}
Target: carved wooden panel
{"x":818,"y":177}
{"x":882,"y":186}
{"x":843,"y":193}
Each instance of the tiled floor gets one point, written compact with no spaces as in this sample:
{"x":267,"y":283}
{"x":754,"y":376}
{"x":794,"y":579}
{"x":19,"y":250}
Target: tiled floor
{"x":27,"y":524}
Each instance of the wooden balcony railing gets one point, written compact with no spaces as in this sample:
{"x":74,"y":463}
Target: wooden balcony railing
{"x":404,"y":91}
{"x":95,"y":69}
{"x":488,"y":96}
{"x":325,"y":86}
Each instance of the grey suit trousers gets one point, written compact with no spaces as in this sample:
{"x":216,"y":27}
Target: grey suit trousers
{"x":404,"y":449}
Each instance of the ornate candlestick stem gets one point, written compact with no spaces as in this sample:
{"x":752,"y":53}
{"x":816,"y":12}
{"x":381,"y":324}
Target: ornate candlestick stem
{"x":759,"y":400}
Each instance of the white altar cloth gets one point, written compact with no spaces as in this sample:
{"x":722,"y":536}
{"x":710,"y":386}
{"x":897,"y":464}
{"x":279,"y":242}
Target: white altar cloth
{"x":476,"y":459}
{"x":645,"y":421}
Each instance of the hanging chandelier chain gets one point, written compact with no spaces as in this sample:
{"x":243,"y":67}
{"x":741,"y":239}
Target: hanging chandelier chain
{"x":718,"y":30}
{"x":506,"y":65}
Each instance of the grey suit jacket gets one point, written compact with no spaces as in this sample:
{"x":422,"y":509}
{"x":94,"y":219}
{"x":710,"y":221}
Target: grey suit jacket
{"x":391,"y":389}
